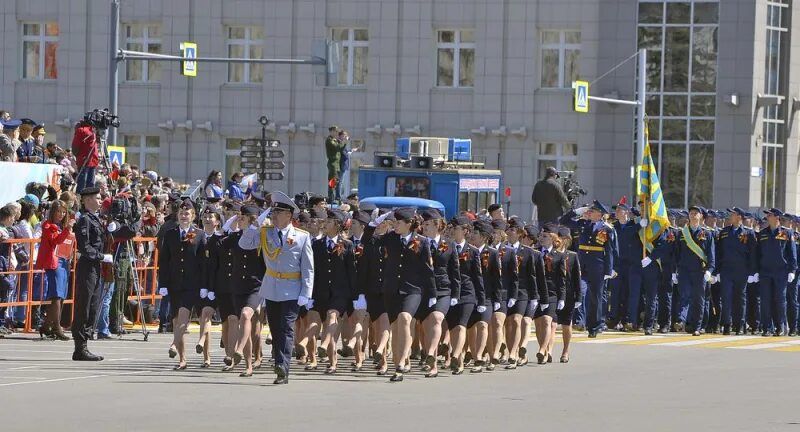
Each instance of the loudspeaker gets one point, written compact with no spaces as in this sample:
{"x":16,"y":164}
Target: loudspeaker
{"x":422,"y":162}
{"x":386,"y":161}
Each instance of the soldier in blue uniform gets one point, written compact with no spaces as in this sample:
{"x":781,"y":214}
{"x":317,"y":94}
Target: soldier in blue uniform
{"x":695,"y":264}
{"x":648,"y":275}
{"x":626,"y":260}
{"x":736,"y":267}
{"x":753,"y":307}
{"x":665,"y":285}
{"x":595,"y":252}
{"x":777,"y":264}
{"x":792,"y":304}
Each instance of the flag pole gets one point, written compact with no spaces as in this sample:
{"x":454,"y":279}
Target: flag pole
{"x":642,"y":93}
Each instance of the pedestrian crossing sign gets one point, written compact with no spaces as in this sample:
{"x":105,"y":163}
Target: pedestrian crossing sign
{"x":189,"y":50}
{"x":581,"y":96}
{"x":116,"y":155}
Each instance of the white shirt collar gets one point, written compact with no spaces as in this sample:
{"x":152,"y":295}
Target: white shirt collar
{"x":547,"y":249}
{"x":335,"y":239}
{"x":285,"y":231}
{"x":436,"y":239}
{"x":462,"y":245}
{"x":515,"y":245}
{"x":480,"y":249}
{"x":407,"y":238}
{"x":358,"y":238}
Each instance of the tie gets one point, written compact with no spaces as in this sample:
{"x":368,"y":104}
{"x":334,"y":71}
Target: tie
{"x":405,"y":242}
{"x":280,"y":238}
{"x":458,"y":248}
{"x":330,"y":245}
{"x":183,"y":235}
{"x":356,"y":242}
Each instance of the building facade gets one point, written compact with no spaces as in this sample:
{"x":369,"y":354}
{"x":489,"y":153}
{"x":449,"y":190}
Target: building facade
{"x":720,"y":93}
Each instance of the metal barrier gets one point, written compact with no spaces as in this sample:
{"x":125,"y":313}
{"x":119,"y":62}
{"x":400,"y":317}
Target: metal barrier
{"x":32,"y":281}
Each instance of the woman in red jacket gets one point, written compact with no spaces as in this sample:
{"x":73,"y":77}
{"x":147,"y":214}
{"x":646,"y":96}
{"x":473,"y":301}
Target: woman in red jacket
{"x":55,"y":231}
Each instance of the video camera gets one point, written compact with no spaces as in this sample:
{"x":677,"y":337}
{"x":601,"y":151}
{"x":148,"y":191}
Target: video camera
{"x":101,"y":119}
{"x":301,"y":200}
{"x":124,"y":209}
{"x":572,"y":189}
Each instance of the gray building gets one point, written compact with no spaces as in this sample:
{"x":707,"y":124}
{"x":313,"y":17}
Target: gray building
{"x":721,"y":98}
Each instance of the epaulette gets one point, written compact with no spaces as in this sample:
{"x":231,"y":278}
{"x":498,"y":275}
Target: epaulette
{"x":609,"y":225}
{"x":302,"y":230}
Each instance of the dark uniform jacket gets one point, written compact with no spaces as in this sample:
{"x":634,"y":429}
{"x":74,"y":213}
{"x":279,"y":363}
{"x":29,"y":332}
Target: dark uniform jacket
{"x":555,"y":266}
{"x":688,"y":261}
{"x":181,"y":261}
{"x":736,"y":251}
{"x":334,"y":271}
{"x":573,"y":267}
{"x":369,"y":267}
{"x":446,"y":269}
{"x":532,"y":284}
{"x":89,"y":235}
{"x":776,"y":251}
{"x":246,"y":267}
{"x":490,"y":268}
{"x":408,"y":268}
{"x":472,"y":290}
{"x":509,"y":288}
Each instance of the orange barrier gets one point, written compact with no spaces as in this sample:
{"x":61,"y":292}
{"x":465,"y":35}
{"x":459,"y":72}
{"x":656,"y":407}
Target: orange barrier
{"x":146,"y":268}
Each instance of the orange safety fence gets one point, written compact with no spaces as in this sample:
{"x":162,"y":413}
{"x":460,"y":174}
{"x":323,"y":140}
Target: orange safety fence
{"x":32,"y":281}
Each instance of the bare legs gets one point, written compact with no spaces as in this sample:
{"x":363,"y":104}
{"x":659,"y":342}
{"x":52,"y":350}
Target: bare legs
{"x":433,"y":334}
{"x":204,"y":343}
{"x":178,"y":332}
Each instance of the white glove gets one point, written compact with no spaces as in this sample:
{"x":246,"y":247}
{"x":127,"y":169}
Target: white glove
{"x":229,"y":223}
{"x":496,"y":306}
{"x":646,"y":262}
{"x":211,"y":295}
{"x":643,"y":223}
{"x":108,"y":259}
{"x":707,"y":276}
{"x":302,"y":301}
{"x":113,"y":227}
{"x":674,"y":278}
{"x":607,"y":277}
{"x":262,"y":217}
{"x":791,"y":277}
{"x":533,"y":304}
{"x":756,"y":278}
{"x":203,"y":293}
{"x":163,"y":292}
{"x":360,"y":303}
{"x":578,"y":304}
{"x":512,"y":302}
{"x":431,"y":302}
{"x":614,"y":274}
{"x":716,"y":279}
{"x":310,"y":304}
{"x":751,"y":279}
{"x":544,"y":306}
{"x":581,"y":210}
{"x":560,"y":305}
{"x":481,"y":309}
{"x":453,"y":302}
{"x":379,"y":220}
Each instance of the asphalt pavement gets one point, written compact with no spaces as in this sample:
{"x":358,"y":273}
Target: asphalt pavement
{"x":618,"y":382}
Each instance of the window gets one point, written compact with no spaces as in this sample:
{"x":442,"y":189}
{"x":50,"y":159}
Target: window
{"x":39,"y":51}
{"x":142,"y":150}
{"x":233,"y":161}
{"x":562,"y":156}
{"x":561,"y":52}
{"x":418,"y":187}
{"x":681,"y":42}
{"x":475,"y":201}
{"x":245,"y":42}
{"x":354,"y":48}
{"x":455,"y":58}
{"x":145,"y":38}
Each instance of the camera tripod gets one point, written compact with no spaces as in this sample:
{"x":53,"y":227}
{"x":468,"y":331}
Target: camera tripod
{"x":137,"y":288}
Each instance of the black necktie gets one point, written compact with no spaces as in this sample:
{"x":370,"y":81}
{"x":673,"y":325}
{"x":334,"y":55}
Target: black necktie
{"x":183,"y":235}
{"x":280,"y":238}
{"x":330,"y":245}
{"x":356,"y":242}
{"x":458,"y":248}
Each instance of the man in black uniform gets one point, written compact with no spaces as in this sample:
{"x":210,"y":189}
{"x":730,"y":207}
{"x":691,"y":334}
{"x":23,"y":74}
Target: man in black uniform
{"x":88,"y":292}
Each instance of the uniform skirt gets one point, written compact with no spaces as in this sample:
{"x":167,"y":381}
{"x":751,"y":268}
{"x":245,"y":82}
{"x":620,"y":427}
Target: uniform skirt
{"x":204,"y":303}
{"x":375,"y":306}
{"x":442,"y":305}
{"x":564,"y":316}
{"x":338,"y":304}
{"x":503,"y":307}
{"x":477,"y":317}
{"x":550,"y":311}
{"x":225,"y":305}
{"x":398,"y":303}
{"x":182,"y":299}
{"x":459,"y":314}
{"x":519,"y":308}
{"x":251,"y":300}
{"x":57,"y":281}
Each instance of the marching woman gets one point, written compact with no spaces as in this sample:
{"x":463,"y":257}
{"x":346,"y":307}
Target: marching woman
{"x":245,"y":279}
{"x":374,"y":279}
{"x":207,"y":303}
{"x":478,"y":325}
{"x":334,"y":279}
{"x":506,"y":296}
{"x":360,"y":305}
{"x":221,"y":266}
{"x":530,"y":239}
{"x":471,"y":284}
{"x":55,"y":231}
{"x":532,"y":287}
{"x":555,"y":269}
{"x":574,"y":294}
{"x":180,"y":275}
{"x":448,"y":288}
{"x":409,"y":279}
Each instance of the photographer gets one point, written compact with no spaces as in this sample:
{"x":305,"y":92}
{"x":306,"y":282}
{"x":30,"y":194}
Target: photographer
{"x":124,"y":225}
{"x":549,"y":198}
{"x":84,"y":144}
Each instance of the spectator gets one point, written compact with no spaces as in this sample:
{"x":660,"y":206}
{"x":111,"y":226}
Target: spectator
{"x":333,"y":151}
{"x":549,"y":198}
{"x":84,"y":143}
{"x":213,"y":186}
{"x":26,"y":152}
{"x":9,"y":140}
{"x":23,"y":229}
{"x":234,"y":189}
{"x":55,"y":230}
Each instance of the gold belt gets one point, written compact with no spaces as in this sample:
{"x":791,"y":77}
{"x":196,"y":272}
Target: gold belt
{"x":283,"y":275}
{"x":591,"y":248}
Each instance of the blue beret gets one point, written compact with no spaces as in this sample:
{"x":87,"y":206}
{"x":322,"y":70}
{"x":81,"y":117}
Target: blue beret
{"x":499,"y":224}
{"x":516,"y":223}
{"x":11,"y":124}
{"x":336,"y":215}
{"x":773,"y":211}
{"x":460,"y":220}
{"x":362,"y":217}
{"x":431,"y":214}
{"x":405,"y":213}
{"x":531,"y":231}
